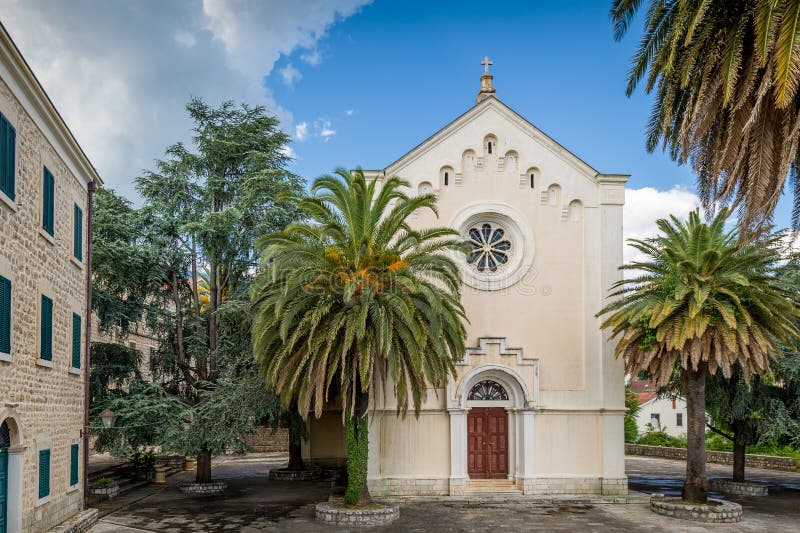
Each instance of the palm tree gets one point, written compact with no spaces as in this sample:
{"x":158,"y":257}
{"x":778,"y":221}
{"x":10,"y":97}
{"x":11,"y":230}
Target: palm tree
{"x":705,"y":302}
{"x":354,"y":295}
{"x":726,"y":76}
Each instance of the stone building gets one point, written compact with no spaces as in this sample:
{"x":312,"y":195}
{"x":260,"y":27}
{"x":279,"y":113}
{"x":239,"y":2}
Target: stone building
{"x":45,"y":179}
{"x":537,"y":404}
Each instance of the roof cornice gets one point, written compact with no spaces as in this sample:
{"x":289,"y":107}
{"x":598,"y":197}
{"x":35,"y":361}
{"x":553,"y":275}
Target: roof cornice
{"x":39,"y":106}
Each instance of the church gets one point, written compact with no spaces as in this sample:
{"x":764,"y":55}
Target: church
{"x":537,"y":403}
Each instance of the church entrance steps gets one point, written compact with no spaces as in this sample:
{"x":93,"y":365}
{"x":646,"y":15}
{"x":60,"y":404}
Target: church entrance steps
{"x":534,"y":500}
{"x":492,"y":486}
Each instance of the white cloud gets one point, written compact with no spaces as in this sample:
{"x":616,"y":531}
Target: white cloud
{"x":120,"y":75}
{"x":289,"y":152}
{"x":185,"y":38}
{"x":312,"y":57}
{"x":643,"y":207}
{"x":290,"y":75}
{"x":349,"y":112}
{"x":324,"y":129}
{"x":301,"y":132}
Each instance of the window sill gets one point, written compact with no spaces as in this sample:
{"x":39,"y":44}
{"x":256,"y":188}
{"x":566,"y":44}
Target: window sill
{"x":73,"y":488}
{"x":44,"y":362}
{"x":74,"y":371}
{"x":49,"y":238}
{"x":12,"y":204}
{"x":77,"y":262}
{"x":5,"y":357}
{"x":42,"y":501}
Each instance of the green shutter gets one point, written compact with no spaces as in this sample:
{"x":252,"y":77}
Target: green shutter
{"x":76,"y":340}
{"x":5,"y":315}
{"x":77,"y":244}
{"x":44,"y":473}
{"x":46,"y":348}
{"x":8,"y":148}
{"x":48,"y":202}
{"x":73,"y":465}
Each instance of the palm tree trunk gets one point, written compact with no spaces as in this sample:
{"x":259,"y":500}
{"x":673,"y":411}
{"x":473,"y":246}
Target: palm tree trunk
{"x":357,"y":492}
{"x":695,"y":485}
{"x":739,"y":447}
{"x":295,"y":451}
{"x":203,"y":468}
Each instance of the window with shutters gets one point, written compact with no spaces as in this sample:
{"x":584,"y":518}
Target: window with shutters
{"x":48,"y":202}
{"x":44,"y":473}
{"x":77,"y":233}
{"x":73,"y":464}
{"x":8,"y":149}
{"x":46,"y":330}
{"x":76,"y":340}
{"x":5,"y":316}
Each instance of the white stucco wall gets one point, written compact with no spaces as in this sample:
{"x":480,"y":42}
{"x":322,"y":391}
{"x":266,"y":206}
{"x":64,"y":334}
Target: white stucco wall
{"x":667,"y":411}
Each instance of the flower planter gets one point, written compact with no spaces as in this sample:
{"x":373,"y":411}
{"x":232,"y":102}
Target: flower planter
{"x":202,"y":489}
{"x":106,"y":492}
{"x":715,"y":511}
{"x":738,"y":488}
{"x":374,"y":515}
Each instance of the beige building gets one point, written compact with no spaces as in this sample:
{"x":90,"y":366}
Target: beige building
{"x":537,"y":404}
{"x":45,"y":180}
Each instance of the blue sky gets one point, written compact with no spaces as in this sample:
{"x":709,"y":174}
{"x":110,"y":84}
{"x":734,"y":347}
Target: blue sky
{"x":355,"y":83}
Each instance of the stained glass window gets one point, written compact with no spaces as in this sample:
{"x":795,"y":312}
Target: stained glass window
{"x":489,"y":247}
{"x":487,"y":390}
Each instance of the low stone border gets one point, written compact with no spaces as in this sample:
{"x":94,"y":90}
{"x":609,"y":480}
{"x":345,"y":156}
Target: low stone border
{"x":769,"y":462}
{"x":738,"y":488}
{"x":283,"y":474}
{"x":715,"y":511}
{"x":332,"y":513}
{"x":214,"y":487}
{"x":80,"y":523}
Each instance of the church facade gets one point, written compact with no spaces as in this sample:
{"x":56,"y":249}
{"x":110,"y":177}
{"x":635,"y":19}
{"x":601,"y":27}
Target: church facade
{"x":537,"y":403}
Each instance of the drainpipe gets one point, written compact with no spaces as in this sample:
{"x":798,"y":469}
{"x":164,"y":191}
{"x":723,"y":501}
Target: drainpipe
{"x":88,"y":342}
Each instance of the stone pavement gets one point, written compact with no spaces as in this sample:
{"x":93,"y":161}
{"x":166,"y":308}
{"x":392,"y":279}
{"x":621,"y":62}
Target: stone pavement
{"x":253,"y":503}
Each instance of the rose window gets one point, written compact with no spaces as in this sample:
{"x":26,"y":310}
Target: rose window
{"x":489,"y":247}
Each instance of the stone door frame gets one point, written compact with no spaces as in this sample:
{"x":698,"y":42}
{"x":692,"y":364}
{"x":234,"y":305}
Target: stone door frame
{"x":520,"y":407}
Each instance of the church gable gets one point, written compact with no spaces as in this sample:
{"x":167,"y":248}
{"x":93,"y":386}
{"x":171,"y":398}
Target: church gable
{"x":491,"y":132}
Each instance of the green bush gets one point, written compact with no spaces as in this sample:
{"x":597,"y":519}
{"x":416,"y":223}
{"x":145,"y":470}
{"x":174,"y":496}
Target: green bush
{"x":660,"y":438}
{"x":716,"y":443}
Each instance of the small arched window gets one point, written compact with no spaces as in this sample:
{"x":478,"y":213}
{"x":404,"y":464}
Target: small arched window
{"x":487,"y":390}
{"x":446,"y":179}
{"x":533,"y":180}
{"x":490,"y":147}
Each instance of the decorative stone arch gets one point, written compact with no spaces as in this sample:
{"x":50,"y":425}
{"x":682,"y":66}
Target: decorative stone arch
{"x":518,"y":394}
{"x":529,"y":178}
{"x":9,"y":420}
{"x":574,"y":212}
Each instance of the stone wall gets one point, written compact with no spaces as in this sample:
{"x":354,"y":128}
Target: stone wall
{"x":768,"y":462}
{"x":42,"y":401}
{"x":268,"y":440}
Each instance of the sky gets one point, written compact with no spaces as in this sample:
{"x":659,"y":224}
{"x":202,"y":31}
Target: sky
{"x":355,"y":83}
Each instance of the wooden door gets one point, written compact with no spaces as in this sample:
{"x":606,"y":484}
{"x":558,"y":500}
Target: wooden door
{"x":487,"y":443}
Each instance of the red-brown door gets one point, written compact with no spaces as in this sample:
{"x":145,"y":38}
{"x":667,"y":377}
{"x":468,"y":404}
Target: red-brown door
{"x":487,"y":443}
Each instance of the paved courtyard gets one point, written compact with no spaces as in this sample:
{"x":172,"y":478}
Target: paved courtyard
{"x":253,"y":503}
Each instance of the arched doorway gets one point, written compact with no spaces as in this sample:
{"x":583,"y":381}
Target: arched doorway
{"x":5,"y":444}
{"x":490,"y":404}
{"x":11,"y":452}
